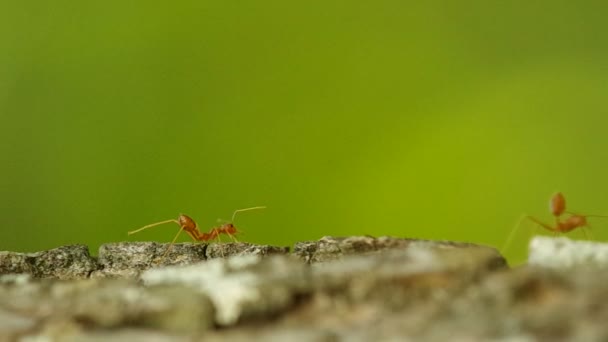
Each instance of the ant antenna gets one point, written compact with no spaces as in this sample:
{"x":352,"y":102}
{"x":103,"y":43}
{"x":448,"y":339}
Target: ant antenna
{"x":575,"y":214}
{"x":246,"y":209}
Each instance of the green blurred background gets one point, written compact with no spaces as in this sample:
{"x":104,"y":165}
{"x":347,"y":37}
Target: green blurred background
{"x":436,"y":120}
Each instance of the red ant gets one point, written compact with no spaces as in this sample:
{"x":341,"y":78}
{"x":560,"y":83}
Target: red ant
{"x":571,"y":223}
{"x":557,"y":206}
{"x":188,"y":225}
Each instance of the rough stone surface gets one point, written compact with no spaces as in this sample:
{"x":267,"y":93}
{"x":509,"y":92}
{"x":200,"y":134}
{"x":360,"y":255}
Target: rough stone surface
{"x":104,"y":303}
{"x":330,"y":248}
{"x":67,"y":262}
{"x":334,"y":289}
{"x":123,"y":259}
{"x":241,"y":286}
{"x":128,"y":259}
{"x":131,"y":258}
{"x":223,"y":250}
{"x":563,"y":252}
{"x":532,"y":303}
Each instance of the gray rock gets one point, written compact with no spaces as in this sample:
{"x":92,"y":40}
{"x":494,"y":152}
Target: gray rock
{"x":13,"y":324}
{"x":109,"y":303}
{"x":240,"y":287}
{"x":67,"y":262}
{"x":333,"y":248}
{"x":130,"y":335}
{"x":129,"y":259}
{"x":278,"y":334}
{"x":223,"y":250}
{"x":389,"y":294}
{"x":335,"y":289}
{"x":529,"y":303}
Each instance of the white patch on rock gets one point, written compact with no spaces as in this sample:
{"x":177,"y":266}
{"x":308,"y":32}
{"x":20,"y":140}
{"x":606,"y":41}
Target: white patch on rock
{"x":229,"y":291}
{"x":562,"y":252}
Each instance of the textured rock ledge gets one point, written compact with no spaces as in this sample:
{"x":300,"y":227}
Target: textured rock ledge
{"x":123,"y":259}
{"x":334,"y":289}
{"x":68,"y":262}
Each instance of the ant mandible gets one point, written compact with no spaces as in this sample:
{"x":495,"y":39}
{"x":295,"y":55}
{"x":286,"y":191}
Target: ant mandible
{"x":187,"y":224}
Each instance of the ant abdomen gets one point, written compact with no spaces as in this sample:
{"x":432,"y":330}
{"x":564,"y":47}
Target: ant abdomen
{"x":186,"y":222}
{"x":557,"y":204}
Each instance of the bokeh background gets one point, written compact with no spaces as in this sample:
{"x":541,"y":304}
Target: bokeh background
{"x":435,"y":120}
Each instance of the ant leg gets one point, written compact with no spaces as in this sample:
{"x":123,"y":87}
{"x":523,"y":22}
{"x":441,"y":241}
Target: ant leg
{"x":232,"y":237}
{"x":557,"y":222}
{"x":220,"y":245}
{"x":575,"y":214}
{"x":544,"y":225}
{"x":512,"y":234}
{"x":588,"y":236}
{"x":218,"y":240}
{"x":151,"y":225}
{"x":585,"y":233}
{"x":171,"y":244}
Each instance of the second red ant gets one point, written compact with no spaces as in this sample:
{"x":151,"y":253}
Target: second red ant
{"x":187,"y":224}
{"x":557,"y":206}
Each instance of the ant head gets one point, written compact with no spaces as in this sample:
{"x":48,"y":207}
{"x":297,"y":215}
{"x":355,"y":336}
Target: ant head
{"x":186,"y":222}
{"x":229,"y":228}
